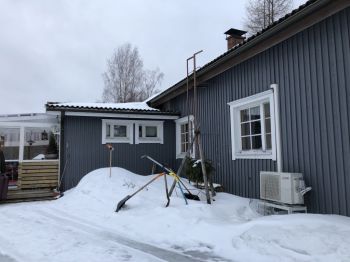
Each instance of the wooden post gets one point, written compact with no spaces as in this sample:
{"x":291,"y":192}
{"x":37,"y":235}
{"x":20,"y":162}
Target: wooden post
{"x":110,"y":163}
{"x":110,"y":148}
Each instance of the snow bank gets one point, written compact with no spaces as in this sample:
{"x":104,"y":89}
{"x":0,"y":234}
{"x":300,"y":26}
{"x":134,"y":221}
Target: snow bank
{"x":228,"y":228}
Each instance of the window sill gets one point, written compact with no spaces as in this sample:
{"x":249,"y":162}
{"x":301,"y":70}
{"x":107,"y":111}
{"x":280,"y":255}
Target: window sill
{"x":182,"y":155}
{"x":116,"y":141}
{"x":149,"y":141}
{"x":254,"y":156}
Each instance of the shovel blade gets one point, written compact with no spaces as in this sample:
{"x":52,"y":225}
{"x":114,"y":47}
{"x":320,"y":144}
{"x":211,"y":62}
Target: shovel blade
{"x":122,"y":203}
{"x":191,"y":196}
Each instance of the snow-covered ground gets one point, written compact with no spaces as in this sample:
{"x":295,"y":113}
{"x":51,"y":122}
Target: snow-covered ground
{"x":82,"y":226}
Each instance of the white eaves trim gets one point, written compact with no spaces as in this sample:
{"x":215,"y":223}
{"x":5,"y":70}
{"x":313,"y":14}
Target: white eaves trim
{"x":114,"y":115}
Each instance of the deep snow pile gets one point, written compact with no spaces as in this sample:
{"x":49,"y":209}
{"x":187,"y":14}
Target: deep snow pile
{"x":229,"y":228}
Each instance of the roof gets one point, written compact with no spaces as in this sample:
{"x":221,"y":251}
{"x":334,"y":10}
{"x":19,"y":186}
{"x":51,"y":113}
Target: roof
{"x":236,"y":32}
{"x":134,"y":107}
{"x":302,"y":11}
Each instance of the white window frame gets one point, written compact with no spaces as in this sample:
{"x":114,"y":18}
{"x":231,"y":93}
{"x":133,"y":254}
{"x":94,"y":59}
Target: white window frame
{"x":150,"y":140}
{"x":21,"y":126}
{"x":112,"y":122}
{"x":248,"y":102}
{"x":180,"y":122}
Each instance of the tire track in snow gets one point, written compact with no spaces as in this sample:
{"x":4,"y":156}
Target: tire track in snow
{"x":103,"y":233}
{"x":5,"y":258}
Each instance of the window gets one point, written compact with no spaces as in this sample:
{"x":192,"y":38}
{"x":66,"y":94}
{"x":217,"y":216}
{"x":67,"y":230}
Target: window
{"x":252,"y":127}
{"x":36,"y":143}
{"x":184,"y":136}
{"x":149,"y":132}
{"x":117,"y":131}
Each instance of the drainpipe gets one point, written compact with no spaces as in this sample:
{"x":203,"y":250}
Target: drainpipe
{"x":61,"y":148}
{"x":274,"y":87}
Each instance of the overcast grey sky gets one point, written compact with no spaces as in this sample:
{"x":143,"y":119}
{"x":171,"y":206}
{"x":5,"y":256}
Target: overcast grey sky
{"x":56,"y":50}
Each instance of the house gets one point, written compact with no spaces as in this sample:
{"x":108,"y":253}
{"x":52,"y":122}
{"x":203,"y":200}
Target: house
{"x":306,"y":55}
{"x":279,"y":100}
{"x":134,"y":130}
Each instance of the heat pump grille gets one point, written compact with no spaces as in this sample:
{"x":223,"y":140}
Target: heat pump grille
{"x":270,"y":186}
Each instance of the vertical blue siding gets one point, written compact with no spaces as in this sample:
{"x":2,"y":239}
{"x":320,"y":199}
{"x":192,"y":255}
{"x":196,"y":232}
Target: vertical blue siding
{"x":84,"y":151}
{"x":312,"y":69}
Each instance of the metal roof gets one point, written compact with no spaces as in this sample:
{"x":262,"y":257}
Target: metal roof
{"x":135,"y":107}
{"x":234,"y":31}
{"x":238,"y":47}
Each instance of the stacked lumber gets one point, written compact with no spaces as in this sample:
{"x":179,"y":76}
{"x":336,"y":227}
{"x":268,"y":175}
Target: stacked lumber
{"x":36,"y":181}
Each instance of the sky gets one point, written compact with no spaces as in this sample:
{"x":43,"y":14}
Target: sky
{"x":56,"y":50}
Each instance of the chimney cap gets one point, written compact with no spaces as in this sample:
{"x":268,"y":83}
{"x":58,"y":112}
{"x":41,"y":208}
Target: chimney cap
{"x":235,"y":32}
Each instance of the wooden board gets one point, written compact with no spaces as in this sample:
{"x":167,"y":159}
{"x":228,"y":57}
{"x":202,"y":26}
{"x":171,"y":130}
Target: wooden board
{"x":26,"y":194}
{"x":36,"y":171}
{"x":38,"y":175}
{"x":36,"y":181}
{"x":39,"y":163}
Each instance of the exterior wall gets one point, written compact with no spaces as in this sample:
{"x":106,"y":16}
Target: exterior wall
{"x":313,"y":72}
{"x":84,"y":151}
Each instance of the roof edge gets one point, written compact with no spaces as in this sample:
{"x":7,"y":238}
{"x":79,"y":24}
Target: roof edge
{"x":282,"y":24}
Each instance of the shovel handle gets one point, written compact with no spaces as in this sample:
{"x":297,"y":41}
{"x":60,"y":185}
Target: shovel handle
{"x":157,"y":176}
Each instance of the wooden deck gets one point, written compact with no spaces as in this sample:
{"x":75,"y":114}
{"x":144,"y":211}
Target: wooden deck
{"x":36,"y":181}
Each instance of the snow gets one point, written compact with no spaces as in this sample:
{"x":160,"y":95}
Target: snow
{"x":39,"y":157}
{"x":82,"y":226}
{"x":127,"y":106}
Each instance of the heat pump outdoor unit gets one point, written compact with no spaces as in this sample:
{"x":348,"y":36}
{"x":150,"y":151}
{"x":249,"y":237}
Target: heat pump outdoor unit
{"x":282,"y":187}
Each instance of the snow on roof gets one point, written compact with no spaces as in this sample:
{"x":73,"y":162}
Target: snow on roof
{"x":137,"y":106}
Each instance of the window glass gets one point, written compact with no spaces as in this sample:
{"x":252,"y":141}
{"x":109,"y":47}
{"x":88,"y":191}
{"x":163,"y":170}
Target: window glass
{"x":268,"y":142}
{"x":245,"y":115}
{"x":255,"y":113}
{"x":151,"y":131}
{"x":267,"y":110}
{"x":119,"y":131}
{"x":184,"y":137}
{"x":10,"y":138}
{"x":267,"y":115}
{"x":245,"y":129}
{"x":256,"y":142}
{"x":246,"y":143}
{"x":108,"y":130}
{"x":140,"y":131}
{"x":256,"y":128}
{"x":39,"y":144}
{"x":251,"y":127}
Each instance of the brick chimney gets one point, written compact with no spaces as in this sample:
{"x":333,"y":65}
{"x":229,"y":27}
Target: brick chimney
{"x":234,"y":37}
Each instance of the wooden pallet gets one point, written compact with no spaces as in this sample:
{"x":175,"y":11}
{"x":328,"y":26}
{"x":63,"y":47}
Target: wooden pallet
{"x":36,"y":181}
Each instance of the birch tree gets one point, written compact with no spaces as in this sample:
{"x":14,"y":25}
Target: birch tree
{"x":262,"y":13}
{"x":126,"y":80}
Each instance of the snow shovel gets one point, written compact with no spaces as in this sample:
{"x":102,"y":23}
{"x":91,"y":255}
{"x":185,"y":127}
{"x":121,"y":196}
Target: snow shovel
{"x":188,"y":195}
{"x":123,"y":201}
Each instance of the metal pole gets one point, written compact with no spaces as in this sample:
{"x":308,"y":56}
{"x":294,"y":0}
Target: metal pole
{"x":199,"y":144}
{"x":110,"y":162}
{"x":278,"y":127}
{"x":188,"y":109}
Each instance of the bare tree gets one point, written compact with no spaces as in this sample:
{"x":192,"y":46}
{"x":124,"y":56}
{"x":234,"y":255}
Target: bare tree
{"x":125,"y":78}
{"x":262,"y":13}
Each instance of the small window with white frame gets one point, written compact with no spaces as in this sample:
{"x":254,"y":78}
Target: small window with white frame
{"x":149,"y":132}
{"x":253,"y":127}
{"x":117,"y":131}
{"x":184,"y":136}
